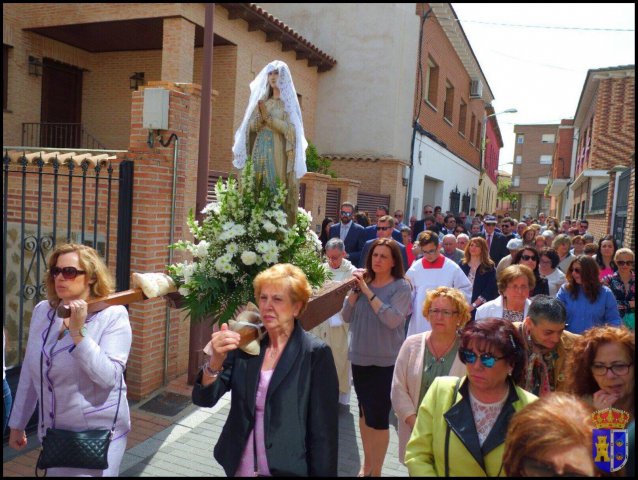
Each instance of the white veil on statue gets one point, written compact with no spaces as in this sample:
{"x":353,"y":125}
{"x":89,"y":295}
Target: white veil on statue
{"x":259,"y":91}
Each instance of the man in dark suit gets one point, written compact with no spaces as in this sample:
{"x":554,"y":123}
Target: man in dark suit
{"x":420,"y":225}
{"x":352,"y":234}
{"x":371,"y":231}
{"x":495,"y":241}
{"x":385,"y":225}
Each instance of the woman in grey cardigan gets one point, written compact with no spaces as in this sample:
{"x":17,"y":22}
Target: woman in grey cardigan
{"x":376,"y":310}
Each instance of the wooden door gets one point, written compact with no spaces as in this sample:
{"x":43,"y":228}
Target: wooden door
{"x":61,"y":112}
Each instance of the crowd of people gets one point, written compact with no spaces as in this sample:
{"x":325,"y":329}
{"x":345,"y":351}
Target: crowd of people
{"x":500,"y":313}
{"x":491,"y":340}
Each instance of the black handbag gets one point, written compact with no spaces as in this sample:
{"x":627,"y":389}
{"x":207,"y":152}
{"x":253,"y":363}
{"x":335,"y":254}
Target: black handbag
{"x":64,"y":448}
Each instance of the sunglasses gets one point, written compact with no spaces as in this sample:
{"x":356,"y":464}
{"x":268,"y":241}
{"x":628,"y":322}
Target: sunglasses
{"x":69,"y":273}
{"x":487,"y":359}
{"x":528,"y":257}
{"x":346,"y":214}
{"x":575,"y":270}
{"x":383,"y":229}
{"x":624,"y":263}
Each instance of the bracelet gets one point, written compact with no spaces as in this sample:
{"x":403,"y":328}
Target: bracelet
{"x":372,"y":298}
{"x":210,"y":372}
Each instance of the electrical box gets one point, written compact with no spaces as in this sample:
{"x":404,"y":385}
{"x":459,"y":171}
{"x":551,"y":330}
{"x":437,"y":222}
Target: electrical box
{"x":155,"y":115}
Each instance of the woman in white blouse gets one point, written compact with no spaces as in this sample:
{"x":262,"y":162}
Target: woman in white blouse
{"x":547,"y":267}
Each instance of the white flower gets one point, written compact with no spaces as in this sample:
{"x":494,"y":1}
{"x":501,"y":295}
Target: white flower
{"x":269,"y":227}
{"x":187,"y":271}
{"x":271,"y":257}
{"x":228,"y":225}
{"x":232,"y":248}
{"x":201,"y":249}
{"x":184,"y":291}
{"x":268,"y":246}
{"x":248,"y":257}
{"x":280,"y":217}
{"x":211,"y":207}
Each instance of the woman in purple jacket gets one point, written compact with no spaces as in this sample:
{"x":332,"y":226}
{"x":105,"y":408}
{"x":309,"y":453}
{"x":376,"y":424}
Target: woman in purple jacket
{"x":83,"y":359}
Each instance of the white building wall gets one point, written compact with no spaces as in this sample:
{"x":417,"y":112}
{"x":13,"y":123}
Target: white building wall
{"x":437,"y":172}
{"x":365,"y":103}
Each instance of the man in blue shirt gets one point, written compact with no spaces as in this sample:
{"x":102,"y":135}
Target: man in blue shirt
{"x":384,"y":225}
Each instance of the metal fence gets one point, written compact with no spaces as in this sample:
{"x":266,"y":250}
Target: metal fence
{"x":58,"y":197}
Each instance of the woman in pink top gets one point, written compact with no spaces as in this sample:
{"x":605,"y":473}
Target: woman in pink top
{"x":605,"y":256}
{"x":283,"y":418}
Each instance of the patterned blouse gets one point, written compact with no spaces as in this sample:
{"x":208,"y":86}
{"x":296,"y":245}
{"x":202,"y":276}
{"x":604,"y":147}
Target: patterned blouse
{"x":623,"y":297}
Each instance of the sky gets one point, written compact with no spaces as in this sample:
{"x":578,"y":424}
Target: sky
{"x":541,"y":71}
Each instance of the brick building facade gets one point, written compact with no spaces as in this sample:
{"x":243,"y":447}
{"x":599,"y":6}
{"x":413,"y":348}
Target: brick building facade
{"x":167,"y":48}
{"x":532,"y":168}
{"x":605,"y":122}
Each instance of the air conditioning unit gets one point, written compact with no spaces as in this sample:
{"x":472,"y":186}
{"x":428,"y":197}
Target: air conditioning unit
{"x":476,"y":89}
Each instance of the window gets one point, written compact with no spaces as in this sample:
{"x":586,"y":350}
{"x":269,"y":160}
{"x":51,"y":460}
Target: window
{"x":448,"y":104}
{"x":546,"y":159}
{"x":543,"y":180}
{"x":462,"y":118}
{"x":431,"y":81}
{"x":520,"y":139}
{"x":548,"y":138}
{"x":516,"y":181}
{"x":599,"y":197}
{"x":472,"y":129}
{"x":519,"y":159}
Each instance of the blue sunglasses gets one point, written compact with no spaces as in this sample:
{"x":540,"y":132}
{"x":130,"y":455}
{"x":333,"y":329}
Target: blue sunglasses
{"x":487,"y":359}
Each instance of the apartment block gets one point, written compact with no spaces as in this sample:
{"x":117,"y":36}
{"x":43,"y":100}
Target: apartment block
{"x":562,"y":169}
{"x":532,"y":170}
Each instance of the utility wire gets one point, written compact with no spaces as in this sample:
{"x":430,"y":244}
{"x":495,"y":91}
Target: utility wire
{"x":549,"y":27}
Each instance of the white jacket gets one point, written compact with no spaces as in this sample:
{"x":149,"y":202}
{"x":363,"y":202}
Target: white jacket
{"x":494,"y":309}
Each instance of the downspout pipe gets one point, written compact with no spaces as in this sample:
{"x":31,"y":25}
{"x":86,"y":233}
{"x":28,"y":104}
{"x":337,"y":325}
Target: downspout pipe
{"x":171,"y":240}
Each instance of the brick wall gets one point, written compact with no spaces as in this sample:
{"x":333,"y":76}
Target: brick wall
{"x":150,"y":236}
{"x":530,"y":150}
{"x":437,"y":46}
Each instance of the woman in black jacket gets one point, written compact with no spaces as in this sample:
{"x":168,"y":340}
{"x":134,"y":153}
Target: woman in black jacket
{"x":479,"y":269}
{"x":283,"y":418}
{"x":530,"y":257}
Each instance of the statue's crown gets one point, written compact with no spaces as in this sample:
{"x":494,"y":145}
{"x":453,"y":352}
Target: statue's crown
{"x":610,"y":418}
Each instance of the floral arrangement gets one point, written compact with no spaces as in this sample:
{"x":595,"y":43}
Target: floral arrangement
{"x":242,"y":234}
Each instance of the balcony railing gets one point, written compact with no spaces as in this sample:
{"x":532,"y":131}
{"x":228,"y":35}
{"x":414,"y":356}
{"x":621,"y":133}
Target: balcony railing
{"x":59,"y":135}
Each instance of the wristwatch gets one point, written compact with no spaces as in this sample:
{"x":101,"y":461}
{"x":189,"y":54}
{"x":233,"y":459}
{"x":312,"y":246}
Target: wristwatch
{"x":210,"y":372}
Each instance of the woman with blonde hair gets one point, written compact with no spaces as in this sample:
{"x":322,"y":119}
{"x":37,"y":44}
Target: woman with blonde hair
{"x":428,"y":355}
{"x":284,"y":403}
{"x":623,"y":285}
{"x":559,"y":444}
{"x":80,"y":385}
{"x":562,"y":244}
{"x":529,"y":236}
{"x":479,"y":269}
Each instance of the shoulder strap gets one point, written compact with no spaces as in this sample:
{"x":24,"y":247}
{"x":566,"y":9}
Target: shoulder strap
{"x":447,"y":432}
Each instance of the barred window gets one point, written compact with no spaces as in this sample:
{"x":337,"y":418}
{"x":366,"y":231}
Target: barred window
{"x":599,"y":198}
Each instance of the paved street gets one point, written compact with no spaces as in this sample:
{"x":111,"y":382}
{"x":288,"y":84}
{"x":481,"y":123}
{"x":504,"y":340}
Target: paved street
{"x":160,"y":446}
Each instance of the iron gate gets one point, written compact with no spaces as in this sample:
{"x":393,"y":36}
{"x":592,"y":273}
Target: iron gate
{"x":51,"y":198}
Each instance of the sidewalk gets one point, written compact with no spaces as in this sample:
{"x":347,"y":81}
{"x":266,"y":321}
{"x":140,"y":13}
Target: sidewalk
{"x":182,"y":446}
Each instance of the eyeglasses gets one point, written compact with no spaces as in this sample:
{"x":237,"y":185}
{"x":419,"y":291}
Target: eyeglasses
{"x":346,"y":214}
{"x":518,"y":288}
{"x":445,"y":313}
{"x":428,"y":212}
{"x":545,"y":262}
{"x":618,"y":369}
{"x":69,"y":273}
{"x":398,"y":215}
{"x":487,"y":359}
{"x":383,"y":229}
{"x":529,"y":257}
{"x":535,"y":468}
{"x":624,"y":263}
{"x":505,"y":225}
{"x":429,"y":252}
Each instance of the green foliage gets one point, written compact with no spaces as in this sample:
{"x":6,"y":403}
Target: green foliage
{"x":504,"y":192}
{"x":242,"y":234}
{"x":316,"y":163}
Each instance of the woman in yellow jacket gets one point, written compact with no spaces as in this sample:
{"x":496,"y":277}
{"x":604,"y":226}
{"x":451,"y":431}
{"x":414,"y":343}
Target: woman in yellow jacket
{"x":461,"y":423}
